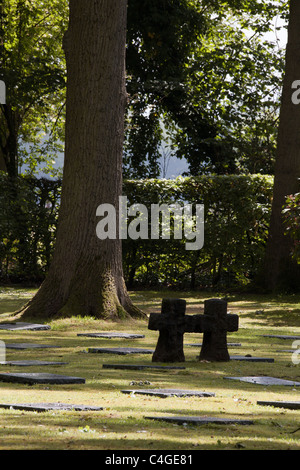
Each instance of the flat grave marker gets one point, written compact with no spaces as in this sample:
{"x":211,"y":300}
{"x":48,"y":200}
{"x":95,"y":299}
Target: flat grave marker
{"x":29,"y":346}
{"x":281,"y":336}
{"x":39,"y":378}
{"x":286,"y":350}
{"x":251,"y":359}
{"x":32,"y":363}
{"x":264,"y":380}
{"x":290,"y":405}
{"x":23,"y":326}
{"x":121,"y":351}
{"x":49,"y":407}
{"x":112,"y":335}
{"x":139,"y":367}
{"x":164,"y":393}
{"x":198,"y":345}
{"x":200,"y":420}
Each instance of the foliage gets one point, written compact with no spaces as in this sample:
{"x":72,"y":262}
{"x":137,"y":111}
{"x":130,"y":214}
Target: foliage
{"x":28,"y":217}
{"x":33,"y":67}
{"x":291,"y":215}
{"x":202,"y":79}
{"x":199,"y":86}
{"x":236,"y":225}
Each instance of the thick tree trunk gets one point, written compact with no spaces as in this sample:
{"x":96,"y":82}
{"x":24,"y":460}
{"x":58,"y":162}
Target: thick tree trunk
{"x":86,"y":276}
{"x":280,"y":272}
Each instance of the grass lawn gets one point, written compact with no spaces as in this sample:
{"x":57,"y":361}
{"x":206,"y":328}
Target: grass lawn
{"x":121,"y":425}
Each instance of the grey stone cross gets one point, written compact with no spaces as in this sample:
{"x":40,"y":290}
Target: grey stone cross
{"x":172,"y":323}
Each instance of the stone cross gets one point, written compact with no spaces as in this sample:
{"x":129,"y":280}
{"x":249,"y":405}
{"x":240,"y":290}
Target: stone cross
{"x":214,"y":324}
{"x":172,"y":323}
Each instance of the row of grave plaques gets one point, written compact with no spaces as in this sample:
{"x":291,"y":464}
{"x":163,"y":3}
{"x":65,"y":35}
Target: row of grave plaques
{"x":172,"y":324}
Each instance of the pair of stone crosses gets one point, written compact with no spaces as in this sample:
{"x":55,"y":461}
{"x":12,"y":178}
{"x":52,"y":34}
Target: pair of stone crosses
{"x":172,"y":323}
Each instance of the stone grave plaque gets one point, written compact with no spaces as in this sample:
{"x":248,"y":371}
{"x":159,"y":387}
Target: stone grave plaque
{"x":199,"y":420}
{"x":39,"y":378}
{"x":49,"y":407}
{"x":198,"y":345}
{"x":281,"y":336}
{"x":32,"y":363}
{"x":290,"y":405}
{"x":23,"y":326}
{"x":28,"y":346}
{"x":164,"y":393}
{"x":121,"y":351}
{"x":139,"y":367}
{"x":112,"y":335}
{"x":286,"y":350}
{"x":264,"y":380}
{"x":251,"y":359}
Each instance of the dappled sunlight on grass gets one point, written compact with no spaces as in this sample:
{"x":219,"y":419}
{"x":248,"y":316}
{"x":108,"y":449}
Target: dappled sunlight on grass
{"x":122,"y":423}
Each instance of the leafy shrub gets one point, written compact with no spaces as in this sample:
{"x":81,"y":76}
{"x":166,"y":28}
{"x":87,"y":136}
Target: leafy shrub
{"x":237,"y":211}
{"x":236,"y":208}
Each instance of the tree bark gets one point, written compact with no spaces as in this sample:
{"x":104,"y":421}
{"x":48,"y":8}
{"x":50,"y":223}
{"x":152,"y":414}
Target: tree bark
{"x":86,"y":276}
{"x":280,"y":271}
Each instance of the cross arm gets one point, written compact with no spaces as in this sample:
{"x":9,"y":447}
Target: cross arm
{"x":203,"y":323}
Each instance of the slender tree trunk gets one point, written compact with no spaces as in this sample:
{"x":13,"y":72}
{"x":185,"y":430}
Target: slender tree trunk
{"x":86,"y":276}
{"x":279,"y":270}
{"x":9,"y":141}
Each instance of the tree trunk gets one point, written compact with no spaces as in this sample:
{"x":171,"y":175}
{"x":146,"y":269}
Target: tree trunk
{"x":86,"y":276}
{"x":280,"y":272}
{"x":9,"y":141}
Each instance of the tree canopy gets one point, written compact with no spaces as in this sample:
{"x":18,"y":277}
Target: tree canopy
{"x":202,"y":83}
{"x":32,"y":66}
{"x":202,"y":78}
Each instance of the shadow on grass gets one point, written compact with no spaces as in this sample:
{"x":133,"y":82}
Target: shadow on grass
{"x":106,"y":430}
{"x":288,"y":317}
{"x":9,"y":306}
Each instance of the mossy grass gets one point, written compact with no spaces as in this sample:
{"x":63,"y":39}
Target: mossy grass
{"x":121,"y":425}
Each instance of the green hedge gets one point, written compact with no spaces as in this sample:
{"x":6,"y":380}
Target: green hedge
{"x":237,"y":210}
